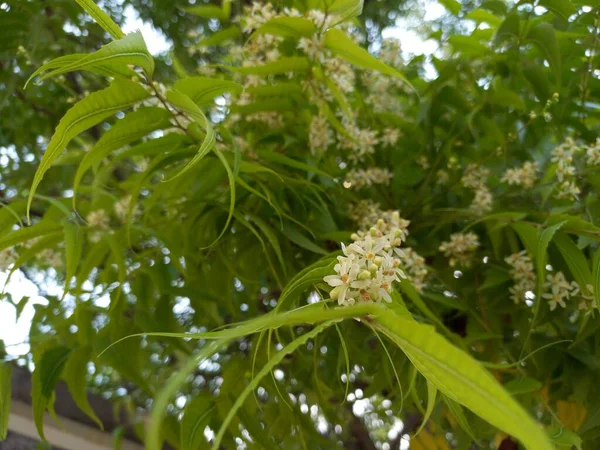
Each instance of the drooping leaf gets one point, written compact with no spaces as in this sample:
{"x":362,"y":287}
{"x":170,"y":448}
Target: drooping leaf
{"x":74,"y":247}
{"x":543,"y":36}
{"x":75,"y":373}
{"x":185,"y":104}
{"x":88,"y":112}
{"x":562,"y":8}
{"x":119,"y":54}
{"x":522,"y":385}
{"x":208,"y":12}
{"x":132,"y":127}
{"x":462,"y":379}
{"x":101,"y":18}
{"x":226,"y":34}
{"x":288,"y":26}
{"x":203,"y":90}
{"x":596,"y":278}
{"x":508,"y":29}
{"x":451,"y":5}
{"x":294,"y":235}
{"x":575,"y":259}
{"x":345,"y":9}
{"x":5,"y":397}
{"x":44,"y":380}
{"x":27,"y":233}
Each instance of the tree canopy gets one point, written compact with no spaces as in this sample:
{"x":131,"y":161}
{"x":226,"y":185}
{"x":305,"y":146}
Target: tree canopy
{"x":288,"y":232}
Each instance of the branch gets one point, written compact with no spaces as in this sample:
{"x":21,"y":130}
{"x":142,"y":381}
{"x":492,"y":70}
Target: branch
{"x":34,"y":105}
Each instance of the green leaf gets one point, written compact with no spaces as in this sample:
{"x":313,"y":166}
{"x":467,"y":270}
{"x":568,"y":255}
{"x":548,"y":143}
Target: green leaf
{"x":203,"y":90}
{"x":44,"y":380}
{"x":508,"y":28}
{"x":5,"y":397}
{"x":458,"y":376}
{"x":25,"y":234}
{"x":575,"y":259}
{"x":561,"y":8}
{"x":544,"y":240}
{"x":469,"y":45}
{"x":131,"y":128}
{"x":101,"y":18}
{"x":88,"y":112}
{"x":483,"y":16}
{"x":529,"y":235}
{"x":537,"y":78}
{"x":294,"y":235}
{"x":74,"y":248}
{"x":340,"y":44}
{"x":185,"y":104}
{"x":459,"y":415}
{"x":105,"y":69}
{"x":208,"y":12}
{"x":522,"y":385}
{"x":131,"y":50}
{"x":543,"y":36}
{"x":345,"y":9}
{"x":453,"y":6}
{"x":282,"y":65}
{"x":596,"y":278}
{"x":306,"y":278}
{"x":431,"y":397}
{"x":287,"y":27}
{"x":75,"y":374}
{"x":161,"y":401}
{"x":226,"y":34}
{"x":196,"y":417}
{"x":231,"y":180}
{"x":564,"y":438}
{"x":276,"y":359}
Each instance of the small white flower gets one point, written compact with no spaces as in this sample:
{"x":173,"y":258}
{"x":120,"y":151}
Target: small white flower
{"x":459,"y":248}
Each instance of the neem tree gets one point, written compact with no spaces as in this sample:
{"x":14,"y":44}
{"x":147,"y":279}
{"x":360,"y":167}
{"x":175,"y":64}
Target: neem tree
{"x":197,"y":235}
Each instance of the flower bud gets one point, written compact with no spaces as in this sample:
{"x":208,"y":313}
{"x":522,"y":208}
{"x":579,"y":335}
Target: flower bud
{"x":373,"y":231}
{"x":373,"y":268}
{"x":364,"y":275}
{"x":335,"y":292}
{"x":354,"y":237}
{"x":377,"y":261}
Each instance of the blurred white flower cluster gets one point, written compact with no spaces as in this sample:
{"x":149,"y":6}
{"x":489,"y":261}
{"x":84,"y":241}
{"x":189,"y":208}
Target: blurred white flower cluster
{"x":475,"y":177}
{"x":459,"y":249}
{"x":7,"y":258}
{"x":563,"y":156}
{"x":370,"y":265}
{"x":98,"y":223}
{"x":320,"y":136}
{"x":359,"y":178}
{"x":524,"y":176}
{"x":522,"y":274}
{"x":559,"y":290}
{"x":414,"y":267}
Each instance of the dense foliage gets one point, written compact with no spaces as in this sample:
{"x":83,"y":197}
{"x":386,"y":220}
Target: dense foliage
{"x":290,"y":206}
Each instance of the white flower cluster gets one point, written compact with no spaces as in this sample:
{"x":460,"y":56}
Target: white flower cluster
{"x":320,"y":136}
{"x":273,"y":119}
{"x":259,"y":13}
{"x":122,"y":208}
{"x":370,"y":264}
{"x":559,"y":290}
{"x":522,"y":274}
{"x":524,"y":176}
{"x":98,"y":221}
{"x":51,"y":258}
{"x":391,"y":52}
{"x":363,"y":140}
{"x":442,"y":176}
{"x":380,"y":86}
{"x":475,"y":177}
{"x":423,"y":161}
{"x":593,"y":153}
{"x":359,"y":178}
{"x":7,"y":258}
{"x":341,"y":72}
{"x":563,"y":156}
{"x":390,"y":136}
{"x":414,"y":268}
{"x":460,"y":248}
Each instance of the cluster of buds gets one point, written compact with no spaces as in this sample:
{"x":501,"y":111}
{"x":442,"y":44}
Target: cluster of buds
{"x":522,"y":274}
{"x":370,"y":265}
{"x":563,"y":156}
{"x":475,"y":177}
{"x":368,"y":177}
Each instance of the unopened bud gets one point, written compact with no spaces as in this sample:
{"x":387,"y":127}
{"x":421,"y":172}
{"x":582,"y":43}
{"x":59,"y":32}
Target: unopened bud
{"x":335,"y":292}
{"x":373,"y":268}
{"x":364,"y":275}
